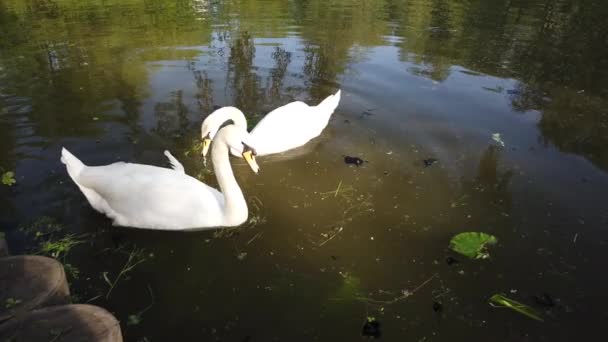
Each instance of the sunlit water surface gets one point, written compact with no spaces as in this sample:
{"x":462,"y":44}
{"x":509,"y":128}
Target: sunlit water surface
{"x":327,"y":244}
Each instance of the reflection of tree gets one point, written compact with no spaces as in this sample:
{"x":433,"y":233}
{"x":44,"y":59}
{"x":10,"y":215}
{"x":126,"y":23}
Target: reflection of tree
{"x":320,"y":67}
{"x":331,"y":29}
{"x":577,"y":123}
{"x":489,"y":189}
{"x":564,"y":73}
{"x":204,"y":96}
{"x":440,"y":34}
{"x":172,"y":117}
{"x":75,"y":61}
{"x":241,"y":73}
{"x":249,"y":94}
{"x":282,"y":59}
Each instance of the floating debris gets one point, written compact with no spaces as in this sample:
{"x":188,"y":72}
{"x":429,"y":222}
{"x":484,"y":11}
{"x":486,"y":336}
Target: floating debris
{"x":330,"y":235}
{"x":367,"y":113}
{"x":499,"y":300}
{"x":353,"y":160}
{"x":450,"y":261}
{"x":544,"y":300}
{"x":496,"y":137}
{"x":371,"y":328}
{"x":241,"y":256}
{"x":429,"y":161}
{"x":473,"y":244}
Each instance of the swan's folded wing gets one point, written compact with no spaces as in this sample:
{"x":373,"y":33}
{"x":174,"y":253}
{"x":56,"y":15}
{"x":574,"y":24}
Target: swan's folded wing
{"x":149,"y":196}
{"x":287,"y":127}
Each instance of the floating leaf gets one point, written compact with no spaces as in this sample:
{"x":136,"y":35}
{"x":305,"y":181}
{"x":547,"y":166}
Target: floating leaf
{"x":502,"y":301}
{"x":473,"y":244}
{"x":8,"y":178}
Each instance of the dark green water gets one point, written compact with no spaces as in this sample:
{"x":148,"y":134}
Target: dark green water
{"x":124,"y":80}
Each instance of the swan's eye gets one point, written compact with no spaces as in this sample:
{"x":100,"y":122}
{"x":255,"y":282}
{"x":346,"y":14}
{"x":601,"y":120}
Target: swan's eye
{"x":247,"y":148}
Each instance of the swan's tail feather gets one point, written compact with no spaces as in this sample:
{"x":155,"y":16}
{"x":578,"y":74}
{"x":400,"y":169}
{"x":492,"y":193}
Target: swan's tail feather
{"x":330,"y":103}
{"x":73,"y":164}
{"x":175,"y":164}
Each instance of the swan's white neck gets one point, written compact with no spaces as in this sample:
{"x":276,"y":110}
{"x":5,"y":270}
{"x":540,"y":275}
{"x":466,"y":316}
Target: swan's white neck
{"x":235,"y":208}
{"x":229,"y":113}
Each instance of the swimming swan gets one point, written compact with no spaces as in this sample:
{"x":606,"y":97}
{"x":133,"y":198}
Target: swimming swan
{"x":284,"y":128}
{"x":146,"y":196}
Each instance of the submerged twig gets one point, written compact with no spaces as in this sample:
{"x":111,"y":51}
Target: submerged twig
{"x":405,"y":295}
{"x":254,"y":237}
{"x":128,"y":266}
{"x":338,"y":189}
{"x":331,"y":237}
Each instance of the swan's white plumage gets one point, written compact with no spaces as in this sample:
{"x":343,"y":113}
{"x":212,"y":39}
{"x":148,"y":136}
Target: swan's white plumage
{"x":146,"y":196}
{"x":284,"y":128}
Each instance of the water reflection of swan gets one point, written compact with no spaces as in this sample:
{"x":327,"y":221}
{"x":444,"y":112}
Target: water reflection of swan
{"x":146,"y":196}
{"x":284,"y":128}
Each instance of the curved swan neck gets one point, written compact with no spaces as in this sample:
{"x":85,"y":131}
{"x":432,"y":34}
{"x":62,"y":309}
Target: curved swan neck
{"x":235,"y":207}
{"x":230,"y":113}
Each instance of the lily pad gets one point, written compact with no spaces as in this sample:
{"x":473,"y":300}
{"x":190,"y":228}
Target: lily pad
{"x":502,"y":301}
{"x":8,"y":178}
{"x":473,"y":244}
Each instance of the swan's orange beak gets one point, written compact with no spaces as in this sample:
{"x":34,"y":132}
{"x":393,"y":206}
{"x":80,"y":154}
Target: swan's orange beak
{"x":206,"y":144}
{"x":250,"y":159}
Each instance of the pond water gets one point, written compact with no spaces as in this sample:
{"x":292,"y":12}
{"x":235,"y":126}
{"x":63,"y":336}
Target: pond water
{"x":327,"y":244}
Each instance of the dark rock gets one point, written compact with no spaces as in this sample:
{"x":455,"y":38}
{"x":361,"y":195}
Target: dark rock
{"x":29,"y":282}
{"x":75,"y":322}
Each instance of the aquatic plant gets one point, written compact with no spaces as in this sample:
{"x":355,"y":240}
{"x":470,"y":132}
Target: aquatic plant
{"x":58,"y":249}
{"x":473,"y":244}
{"x":136,"y":257}
{"x":8,"y":178}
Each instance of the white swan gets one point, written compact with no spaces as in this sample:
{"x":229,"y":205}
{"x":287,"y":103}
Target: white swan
{"x":285,"y":128}
{"x":145,"y":196}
